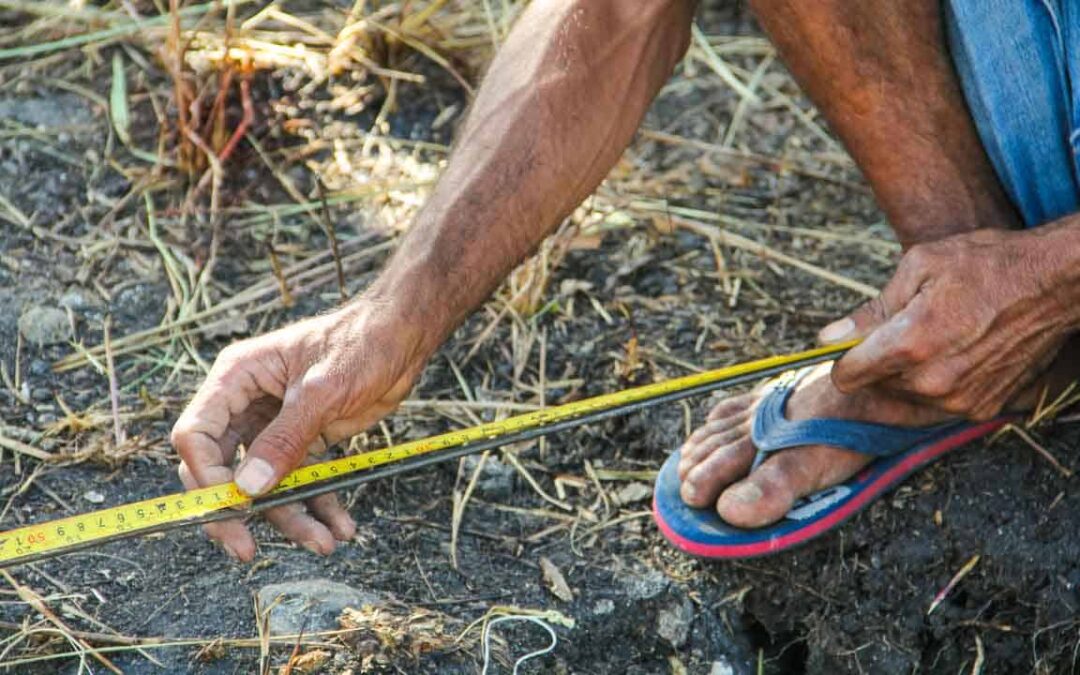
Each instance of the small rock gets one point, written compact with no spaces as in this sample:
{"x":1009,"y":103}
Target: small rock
{"x":496,"y":478}
{"x":61,"y":110}
{"x":309,"y":662}
{"x":721,"y":668}
{"x":673,"y":622}
{"x":633,"y":492}
{"x":309,"y":604}
{"x":76,"y":299}
{"x":603,"y":606}
{"x":94,"y":497}
{"x":233,"y":324}
{"x":45,"y":326}
{"x":645,"y":585}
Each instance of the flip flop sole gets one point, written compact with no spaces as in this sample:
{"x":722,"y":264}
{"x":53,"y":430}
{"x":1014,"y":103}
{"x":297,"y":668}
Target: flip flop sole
{"x":702,"y":533}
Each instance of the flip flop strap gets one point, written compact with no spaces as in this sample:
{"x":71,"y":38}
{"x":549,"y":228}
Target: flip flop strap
{"x":772,"y":431}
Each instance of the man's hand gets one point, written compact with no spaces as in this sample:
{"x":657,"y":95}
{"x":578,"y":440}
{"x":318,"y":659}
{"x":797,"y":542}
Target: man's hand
{"x":287,"y":395}
{"x":966,"y":322}
{"x":558,"y":105}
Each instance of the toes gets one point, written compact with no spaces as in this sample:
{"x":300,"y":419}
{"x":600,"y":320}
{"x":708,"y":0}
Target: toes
{"x":329,"y":511}
{"x":768,"y":493}
{"x":694,"y":454}
{"x":704,"y":481}
{"x":730,"y":406}
{"x":297,"y":524}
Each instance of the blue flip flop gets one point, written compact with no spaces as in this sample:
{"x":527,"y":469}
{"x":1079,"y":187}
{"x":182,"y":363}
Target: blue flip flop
{"x":897,"y":452}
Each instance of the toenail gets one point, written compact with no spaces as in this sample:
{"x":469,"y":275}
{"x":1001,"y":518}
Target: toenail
{"x":314,"y":547}
{"x":747,"y":493}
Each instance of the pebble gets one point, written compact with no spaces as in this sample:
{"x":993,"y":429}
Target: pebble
{"x":309,"y":604}
{"x":673,"y":622}
{"x":646,"y":584}
{"x":497,"y":478}
{"x":43,"y":326}
{"x":721,"y":668}
{"x":94,"y":497}
{"x":603,"y":606}
{"x":76,"y":299}
{"x":633,"y":492}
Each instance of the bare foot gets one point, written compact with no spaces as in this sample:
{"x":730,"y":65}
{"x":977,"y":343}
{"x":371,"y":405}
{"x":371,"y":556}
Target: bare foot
{"x":717,"y":457}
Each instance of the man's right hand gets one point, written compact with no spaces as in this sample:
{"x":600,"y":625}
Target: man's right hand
{"x":559,"y":103}
{"x":287,"y":395}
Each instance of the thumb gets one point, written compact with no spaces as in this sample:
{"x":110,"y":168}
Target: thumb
{"x":280,"y":447}
{"x":856,"y":325}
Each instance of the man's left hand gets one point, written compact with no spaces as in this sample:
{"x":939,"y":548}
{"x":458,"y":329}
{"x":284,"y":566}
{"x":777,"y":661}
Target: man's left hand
{"x":965,"y":323}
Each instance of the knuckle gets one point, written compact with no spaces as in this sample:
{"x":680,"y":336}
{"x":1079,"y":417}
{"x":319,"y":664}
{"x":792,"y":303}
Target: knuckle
{"x":912,"y":348}
{"x":956,"y":405}
{"x":932,"y":384}
{"x":180,"y":433}
{"x":281,"y":448}
{"x":916,"y":257}
{"x":324,"y":386}
{"x":231,"y":354}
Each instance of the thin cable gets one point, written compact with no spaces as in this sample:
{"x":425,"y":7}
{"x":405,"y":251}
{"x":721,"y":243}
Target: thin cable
{"x":530,"y":655}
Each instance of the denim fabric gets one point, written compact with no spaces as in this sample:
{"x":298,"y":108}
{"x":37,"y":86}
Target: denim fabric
{"x":1018,"y":61}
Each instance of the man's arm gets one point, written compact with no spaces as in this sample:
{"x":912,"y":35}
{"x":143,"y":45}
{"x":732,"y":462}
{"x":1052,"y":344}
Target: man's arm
{"x":560,"y":103}
{"x":557,"y":108}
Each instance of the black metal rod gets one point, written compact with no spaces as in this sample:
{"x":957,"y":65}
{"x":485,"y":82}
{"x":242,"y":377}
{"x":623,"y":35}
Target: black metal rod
{"x":428,"y":459}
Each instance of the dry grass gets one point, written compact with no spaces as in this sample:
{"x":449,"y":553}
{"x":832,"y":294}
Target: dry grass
{"x":205,"y":100}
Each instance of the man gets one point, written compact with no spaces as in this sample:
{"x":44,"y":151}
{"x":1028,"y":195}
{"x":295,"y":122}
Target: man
{"x":961,"y":119}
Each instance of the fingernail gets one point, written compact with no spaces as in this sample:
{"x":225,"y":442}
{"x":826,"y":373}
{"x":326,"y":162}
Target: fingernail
{"x":314,"y":547}
{"x":747,"y":493}
{"x":346,"y":529}
{"x":255,"y":476}
{"x":230,"y":552}
{"x":837,"y":330}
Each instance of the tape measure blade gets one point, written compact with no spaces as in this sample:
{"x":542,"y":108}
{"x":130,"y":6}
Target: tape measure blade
{"x":55,"y":537}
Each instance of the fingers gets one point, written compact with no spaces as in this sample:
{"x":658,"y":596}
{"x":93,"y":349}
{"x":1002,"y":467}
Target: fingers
{"x":329,"y":511}
{"x":233,"y":535}
{"x":887,"y":351}
{"x":281,"y":446}
{"x":856,"y":325}
{"x":294,"y":521}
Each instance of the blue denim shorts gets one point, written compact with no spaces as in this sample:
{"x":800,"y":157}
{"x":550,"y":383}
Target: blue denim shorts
{"x":1019,"y":67}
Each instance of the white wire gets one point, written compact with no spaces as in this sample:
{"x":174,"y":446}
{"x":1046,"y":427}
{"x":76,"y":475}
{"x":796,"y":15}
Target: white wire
{"x":523,"y":659}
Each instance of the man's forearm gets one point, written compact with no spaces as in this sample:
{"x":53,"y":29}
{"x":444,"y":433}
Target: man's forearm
{"x":558,"y":106}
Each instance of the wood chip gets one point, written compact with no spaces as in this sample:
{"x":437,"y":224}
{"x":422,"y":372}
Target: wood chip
{"x":555,"y":580}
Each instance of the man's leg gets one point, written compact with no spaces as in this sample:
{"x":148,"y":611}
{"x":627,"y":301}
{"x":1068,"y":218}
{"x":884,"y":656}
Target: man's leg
{"x":880,"y":72}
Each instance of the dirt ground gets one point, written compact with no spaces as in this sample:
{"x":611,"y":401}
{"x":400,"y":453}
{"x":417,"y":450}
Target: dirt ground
{"x":623,"y":295}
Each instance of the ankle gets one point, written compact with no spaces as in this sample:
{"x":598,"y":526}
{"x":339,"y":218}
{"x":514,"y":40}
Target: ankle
{"x":949,"y":211}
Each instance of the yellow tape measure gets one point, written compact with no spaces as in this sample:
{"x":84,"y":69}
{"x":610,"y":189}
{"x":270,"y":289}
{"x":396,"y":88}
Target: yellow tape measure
{"x":80,"y":531}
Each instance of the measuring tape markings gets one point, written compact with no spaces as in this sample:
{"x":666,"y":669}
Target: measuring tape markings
{"x":80,"y":531}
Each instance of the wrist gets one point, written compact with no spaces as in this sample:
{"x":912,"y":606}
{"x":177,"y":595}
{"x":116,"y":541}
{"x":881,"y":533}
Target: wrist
{"x":408,"y":307}
{"x":1053,"y":250}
